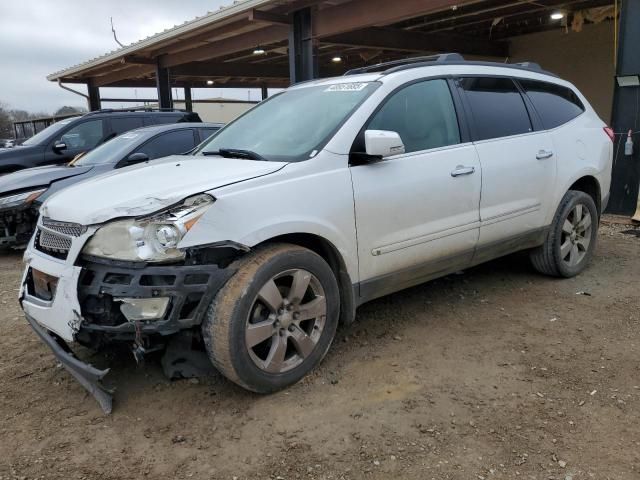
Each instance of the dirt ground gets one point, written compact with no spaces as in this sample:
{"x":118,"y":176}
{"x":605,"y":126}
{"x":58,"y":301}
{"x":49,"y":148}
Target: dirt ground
{"x":494,"y":373}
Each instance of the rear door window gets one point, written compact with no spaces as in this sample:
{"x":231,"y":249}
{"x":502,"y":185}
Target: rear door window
{"x":124,"y":124}
{"x":555,"y":104}
{"x":206,"y":133}
{"x":497,"y":107}
{"x":165,"y":119}
{"x":169,"y":143}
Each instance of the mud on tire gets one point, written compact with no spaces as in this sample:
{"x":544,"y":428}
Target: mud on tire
{"x":571,"y":240}
{"x":275,"y":319}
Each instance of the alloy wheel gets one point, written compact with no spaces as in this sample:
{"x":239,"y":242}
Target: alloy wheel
{"x":576,"y":235}
{"x":286,"y":321}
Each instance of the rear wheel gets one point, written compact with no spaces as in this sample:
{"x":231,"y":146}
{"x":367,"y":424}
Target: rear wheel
{"x":274,"y":320}
{"x":572,"y":237}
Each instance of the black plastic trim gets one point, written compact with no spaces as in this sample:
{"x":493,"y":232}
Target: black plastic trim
{"x":98,"y":289}
{"x":87,"y":375}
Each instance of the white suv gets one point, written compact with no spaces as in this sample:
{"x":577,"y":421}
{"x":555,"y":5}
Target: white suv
{"x":323,"y":197}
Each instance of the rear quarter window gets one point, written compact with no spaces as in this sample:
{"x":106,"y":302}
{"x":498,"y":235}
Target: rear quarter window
{"x":555,"y":104}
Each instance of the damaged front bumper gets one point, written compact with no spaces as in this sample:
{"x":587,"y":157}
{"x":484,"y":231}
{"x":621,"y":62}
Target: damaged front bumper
{"x":97,"y":303}
{"x":118,"y":300}
{"x":88,"y":376}
{"x":17,"y":225}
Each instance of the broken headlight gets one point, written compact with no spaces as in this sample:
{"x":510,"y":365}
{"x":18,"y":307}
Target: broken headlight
{"x":21,"y":198}
{"x":152,"y":239}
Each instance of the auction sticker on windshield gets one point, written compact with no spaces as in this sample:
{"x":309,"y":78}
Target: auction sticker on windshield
{"x":347,"y":87}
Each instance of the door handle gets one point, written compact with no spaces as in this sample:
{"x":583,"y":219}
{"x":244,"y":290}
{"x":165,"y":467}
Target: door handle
{"x":462,"y":170}
{"x":544,"y":154}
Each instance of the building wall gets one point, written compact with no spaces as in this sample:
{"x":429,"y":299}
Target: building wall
{"x":223,"y":112}
{"x":584,"y":58}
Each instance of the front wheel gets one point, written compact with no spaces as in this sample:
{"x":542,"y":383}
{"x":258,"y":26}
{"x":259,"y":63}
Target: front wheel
{"x":274,"y":320}
{"x":572,"y":237}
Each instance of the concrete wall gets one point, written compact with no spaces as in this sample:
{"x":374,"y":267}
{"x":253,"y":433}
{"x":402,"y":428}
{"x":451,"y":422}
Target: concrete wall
{"x":584,"y":58}
{"x":218,"y":112}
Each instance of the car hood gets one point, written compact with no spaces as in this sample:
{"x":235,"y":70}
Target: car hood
{"x":37,"y":177}
{"x":147,"y":188}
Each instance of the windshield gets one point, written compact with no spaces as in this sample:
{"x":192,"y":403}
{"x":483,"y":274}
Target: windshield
{"x":290,"y":126}
{"x":44,"y":135}
{"x":112,"y":151}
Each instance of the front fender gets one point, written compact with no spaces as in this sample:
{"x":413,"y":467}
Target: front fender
{"x":305,"y":198}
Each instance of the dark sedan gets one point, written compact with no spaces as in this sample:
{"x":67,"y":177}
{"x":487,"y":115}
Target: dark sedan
{"x":23,"y":192}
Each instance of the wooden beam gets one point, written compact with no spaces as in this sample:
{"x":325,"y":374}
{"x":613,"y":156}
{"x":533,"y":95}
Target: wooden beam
{"x":410,"y":41}
{"x":359,"y":14}
{"x":227,"y":46}
{"x":269,"y":17}
{"x":229,"y":69}
{"x":134,"y":60}
{"x":129,"y":73}
{"x":232,"y":83}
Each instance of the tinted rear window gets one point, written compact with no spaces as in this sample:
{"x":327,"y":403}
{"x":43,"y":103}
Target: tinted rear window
{"x":124,"y":124}
{"x":206,"y":133}
{"x":555,"y":104}
{"x":169,"y":143}
{"x":164,"y":119}
{"x":497,"y":107}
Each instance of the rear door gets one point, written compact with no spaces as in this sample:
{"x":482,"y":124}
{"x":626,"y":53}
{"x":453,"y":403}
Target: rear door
{"x":417,"y":213}
{"x":518,"y":162}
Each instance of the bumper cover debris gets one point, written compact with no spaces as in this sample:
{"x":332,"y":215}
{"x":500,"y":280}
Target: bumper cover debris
{"x":88,"y":376}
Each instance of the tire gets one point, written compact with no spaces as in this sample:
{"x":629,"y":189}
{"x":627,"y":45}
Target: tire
{"x":569,"y":245}
{"x":256,"y":330}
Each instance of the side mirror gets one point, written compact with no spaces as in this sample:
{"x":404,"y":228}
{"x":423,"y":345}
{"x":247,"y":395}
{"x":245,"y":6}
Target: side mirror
{"x":383,"y":143}
{"x":59,"y":146}
{"x":137,"y":157}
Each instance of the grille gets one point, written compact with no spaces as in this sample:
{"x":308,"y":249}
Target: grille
{"x":65,"y":228}
{"x":52,"y":243}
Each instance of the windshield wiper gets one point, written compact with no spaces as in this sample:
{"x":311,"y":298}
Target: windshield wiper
{"x":237,"y":153}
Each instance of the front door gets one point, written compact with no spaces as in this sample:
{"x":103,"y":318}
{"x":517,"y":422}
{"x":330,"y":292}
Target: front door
{"x":80,"y":138}
{"x":417,"y":214}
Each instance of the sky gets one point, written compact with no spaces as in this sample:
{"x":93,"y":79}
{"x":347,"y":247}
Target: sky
{"x":40,"y":37}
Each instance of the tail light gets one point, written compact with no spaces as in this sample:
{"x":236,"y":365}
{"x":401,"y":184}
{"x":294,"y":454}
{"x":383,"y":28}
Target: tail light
{"x":609,"y":132}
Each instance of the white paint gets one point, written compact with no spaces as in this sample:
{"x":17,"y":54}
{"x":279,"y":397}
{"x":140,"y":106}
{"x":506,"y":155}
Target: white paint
{"x":382,"y":217}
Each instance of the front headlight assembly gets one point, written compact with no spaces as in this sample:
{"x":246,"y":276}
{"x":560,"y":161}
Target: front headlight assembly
{"x":152,"y":239}
{"x":23,"y":198}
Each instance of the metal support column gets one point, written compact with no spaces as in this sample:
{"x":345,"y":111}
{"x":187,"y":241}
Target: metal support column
{"x":303,"y":59}
{"x":625,"y":116}
{"x":265,"y":92}
{"x":188,"y":102}
{"x":163,"y":84}
{"x":93,"y":103}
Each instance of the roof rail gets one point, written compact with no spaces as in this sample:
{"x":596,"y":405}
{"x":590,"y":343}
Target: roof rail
{"x":408,"y":63}
{"x":529,"y":65}
{"x":136,"y":109}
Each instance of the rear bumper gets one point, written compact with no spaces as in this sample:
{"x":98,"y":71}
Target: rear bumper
{"x":88,"y":376}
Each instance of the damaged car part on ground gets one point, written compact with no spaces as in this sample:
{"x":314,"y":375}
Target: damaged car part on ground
{"x":23,"y":192}
{"x":281,"y":225}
